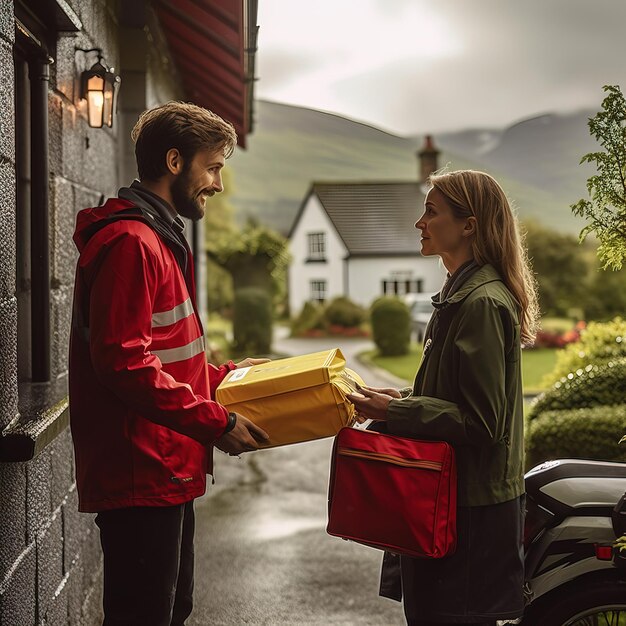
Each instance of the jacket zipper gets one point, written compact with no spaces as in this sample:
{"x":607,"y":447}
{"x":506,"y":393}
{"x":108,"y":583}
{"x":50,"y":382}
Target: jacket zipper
{"x":390,"y":458}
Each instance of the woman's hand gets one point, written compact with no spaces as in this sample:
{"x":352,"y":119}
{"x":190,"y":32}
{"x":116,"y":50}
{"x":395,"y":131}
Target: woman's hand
{"x":370,"y":404}
{"x":250,"y":362}
{"x":388,"y":391}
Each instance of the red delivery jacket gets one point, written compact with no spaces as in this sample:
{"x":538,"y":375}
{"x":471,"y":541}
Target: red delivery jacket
{"x":142,"y":413}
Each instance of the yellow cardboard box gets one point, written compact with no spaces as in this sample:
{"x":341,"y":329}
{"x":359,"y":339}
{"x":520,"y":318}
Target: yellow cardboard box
{"x":295,"y":399}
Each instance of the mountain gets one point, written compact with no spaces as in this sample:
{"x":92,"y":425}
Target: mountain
{"x":535,"y":160}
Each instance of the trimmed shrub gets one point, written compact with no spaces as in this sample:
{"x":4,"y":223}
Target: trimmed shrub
{"x":342,"y":311}
{"x":310,"y":318}
{"x":580,"y":434}
{"x":595,"y":385}
{"x":599,"y":343}
{"x":391,"y":326}
{"x":252,"y":321}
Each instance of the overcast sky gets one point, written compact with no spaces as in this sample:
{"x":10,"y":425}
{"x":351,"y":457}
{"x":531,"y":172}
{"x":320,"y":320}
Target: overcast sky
{"x":413,"y":66}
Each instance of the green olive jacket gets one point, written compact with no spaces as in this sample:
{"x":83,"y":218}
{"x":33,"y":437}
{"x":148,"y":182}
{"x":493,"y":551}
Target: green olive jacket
{"x":468,"y":390}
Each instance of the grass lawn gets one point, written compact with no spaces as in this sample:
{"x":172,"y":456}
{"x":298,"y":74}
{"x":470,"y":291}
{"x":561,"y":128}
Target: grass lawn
{"x":535,"y":364}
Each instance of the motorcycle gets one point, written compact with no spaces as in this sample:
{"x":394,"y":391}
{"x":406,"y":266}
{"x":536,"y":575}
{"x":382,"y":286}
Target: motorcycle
{"x":574,"y":576}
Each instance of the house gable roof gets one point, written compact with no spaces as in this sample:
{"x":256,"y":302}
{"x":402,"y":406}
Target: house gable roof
{"x":372,"y":218}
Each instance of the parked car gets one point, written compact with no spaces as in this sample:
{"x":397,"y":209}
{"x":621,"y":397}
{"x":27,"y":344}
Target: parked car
{"x":421,"y":308}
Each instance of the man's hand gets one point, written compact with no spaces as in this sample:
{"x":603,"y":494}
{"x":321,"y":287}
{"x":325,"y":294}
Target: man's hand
{"x":244,"y":437}
{"x":370,"y":404}
{"x":250,"y":362}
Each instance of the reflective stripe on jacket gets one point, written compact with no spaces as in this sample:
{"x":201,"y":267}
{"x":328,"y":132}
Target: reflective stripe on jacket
{"x":142,"y":413}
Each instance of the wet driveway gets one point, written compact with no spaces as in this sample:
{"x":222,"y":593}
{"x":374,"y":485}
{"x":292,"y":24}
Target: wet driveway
{"x":262,"y":552}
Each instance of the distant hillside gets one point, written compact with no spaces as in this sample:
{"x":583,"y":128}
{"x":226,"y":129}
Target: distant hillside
{"x":536,"y":161}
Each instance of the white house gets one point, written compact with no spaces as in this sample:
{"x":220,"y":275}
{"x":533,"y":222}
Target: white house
{"x":357,"y":239}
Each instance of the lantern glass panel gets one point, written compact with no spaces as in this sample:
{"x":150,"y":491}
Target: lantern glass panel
{"x":107,"y":111}
{"x":95,"y":104}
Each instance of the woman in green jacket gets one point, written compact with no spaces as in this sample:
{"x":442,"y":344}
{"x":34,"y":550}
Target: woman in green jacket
{"x":468,"y":392}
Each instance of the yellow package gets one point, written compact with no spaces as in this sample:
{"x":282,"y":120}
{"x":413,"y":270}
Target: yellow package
{"x":295,"y":399}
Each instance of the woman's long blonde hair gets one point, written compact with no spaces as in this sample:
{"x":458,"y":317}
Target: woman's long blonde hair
{"x":498,"y":240}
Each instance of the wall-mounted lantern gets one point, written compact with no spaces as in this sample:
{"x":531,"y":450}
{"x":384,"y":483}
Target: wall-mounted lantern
{"x":99,"y":86}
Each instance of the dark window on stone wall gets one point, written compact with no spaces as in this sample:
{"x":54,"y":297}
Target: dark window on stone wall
{"x":31,"y":67}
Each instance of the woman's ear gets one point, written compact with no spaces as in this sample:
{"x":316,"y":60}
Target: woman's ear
{"x":174,"y":161}
{"x":470,"y":227}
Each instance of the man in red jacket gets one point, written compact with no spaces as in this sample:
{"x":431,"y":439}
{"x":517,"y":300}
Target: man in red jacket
{"x":143,"y":413}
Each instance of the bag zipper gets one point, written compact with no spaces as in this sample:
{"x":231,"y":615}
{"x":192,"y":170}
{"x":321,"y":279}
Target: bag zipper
{"x":390,"y":458}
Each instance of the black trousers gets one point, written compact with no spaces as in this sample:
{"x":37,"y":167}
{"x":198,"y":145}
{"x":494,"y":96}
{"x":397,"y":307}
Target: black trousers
{"x":148,"y":565}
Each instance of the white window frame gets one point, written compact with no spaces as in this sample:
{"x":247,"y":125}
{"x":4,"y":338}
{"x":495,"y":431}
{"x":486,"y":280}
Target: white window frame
{"x":318,"y":290}
{"x":316,"y":245}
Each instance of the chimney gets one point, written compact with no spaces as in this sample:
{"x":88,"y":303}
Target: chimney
{"x":428,"y":157}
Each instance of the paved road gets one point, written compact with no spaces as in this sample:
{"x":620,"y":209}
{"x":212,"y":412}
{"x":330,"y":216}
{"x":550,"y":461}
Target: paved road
{"x":263,"y":556}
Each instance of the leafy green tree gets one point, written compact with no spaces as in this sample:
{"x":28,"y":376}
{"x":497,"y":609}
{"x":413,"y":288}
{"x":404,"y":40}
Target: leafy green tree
{"x":561,"y":268}
{"x":606,"y":296}
{"x":255,"y":256}
{"x":605,"y":212}
{"x":219,"y":224}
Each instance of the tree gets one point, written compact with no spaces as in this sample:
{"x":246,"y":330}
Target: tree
{"x":606,"y":210}
{"x":255,"y":256}
{"x":219,"y":224}
{"x":561,"y":269}
{"x":606,"y":297}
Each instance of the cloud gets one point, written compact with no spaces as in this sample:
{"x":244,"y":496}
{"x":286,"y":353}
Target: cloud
{"x":413,"y":66}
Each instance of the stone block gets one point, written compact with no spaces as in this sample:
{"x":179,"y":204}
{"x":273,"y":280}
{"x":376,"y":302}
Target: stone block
{"x":73,"y":139}
{"x":84,"y":199}
{"x":55,"y":134}
{"x":38,"y":503}
{"x":62,"y":222}
{"x":85,"y":11}
{"x":75,"y":530}
{"x":61,"y":468}
{"x":92,"y":614}
{"x":18,"y":595}
{"x":57,"y":611}
{"x":99,"y":164}
{"x":60,"y":321}
{"x":12,"y":515}
{"x":7,"y":23}
{"x":91,"y":555}
{"x":7,"y":113}
{"x":49,"y":544}
{"x":8,"y":363}
{"x":77,"y":593}
{"x":69,"y":65}
{"x":7,"y":230}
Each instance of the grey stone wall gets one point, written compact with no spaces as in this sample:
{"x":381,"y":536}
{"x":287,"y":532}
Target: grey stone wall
{"x":50,"y":562}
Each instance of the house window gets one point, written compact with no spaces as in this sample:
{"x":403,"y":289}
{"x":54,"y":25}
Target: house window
{"x":318,"y":291}
{"x":31,"y":70}
{"x":401,"y":287}
{"x":317,"y":246}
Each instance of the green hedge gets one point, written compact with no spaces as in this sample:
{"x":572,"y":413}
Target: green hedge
{"x":591,"y":433}
{"x":599,"y":343}
{"x":311,"y":316}
{"x":391,"y":326}
{"x":595,"y":385}
{"x":252,"y":322}
{"x":343,"y":312}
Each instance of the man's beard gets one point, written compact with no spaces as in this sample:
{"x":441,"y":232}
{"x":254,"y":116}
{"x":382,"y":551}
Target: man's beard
{"x":185,"y":204}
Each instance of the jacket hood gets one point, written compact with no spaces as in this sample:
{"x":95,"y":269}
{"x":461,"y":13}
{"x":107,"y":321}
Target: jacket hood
{"x":88,"y":221}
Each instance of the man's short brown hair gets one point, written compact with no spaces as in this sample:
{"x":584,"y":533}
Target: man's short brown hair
{"x":181,"y":125}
